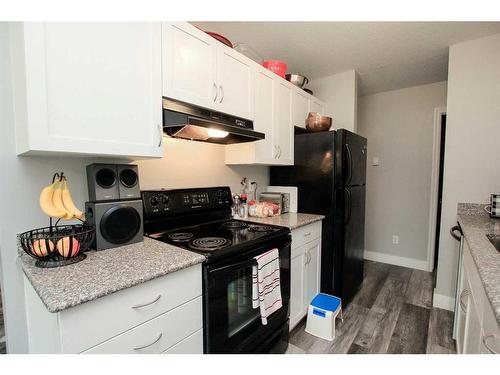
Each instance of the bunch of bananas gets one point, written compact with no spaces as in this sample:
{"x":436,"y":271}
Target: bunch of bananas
{"x":56,"y":201}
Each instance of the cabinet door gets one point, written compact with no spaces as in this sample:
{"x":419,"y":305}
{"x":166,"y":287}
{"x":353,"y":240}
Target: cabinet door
{"x":312,"y":271}
{"x":189,"y":65}
{"x":264,"y":115}
{"x":88,"y":88}
{"x":316,"y":106}
{"x":235,"y":73}
{"x":472,"y":338}
{"x":283,"y":129}
{"x":461,"y":311}
{"x":297,"y":286}
{"x":300,"y":108}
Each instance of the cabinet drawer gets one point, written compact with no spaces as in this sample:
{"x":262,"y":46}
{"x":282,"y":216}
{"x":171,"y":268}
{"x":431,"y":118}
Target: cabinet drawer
{"x":305,"y":234}
{"x":157,"y":335}
{"x":91,"y":323}
{"x":190,"y":345}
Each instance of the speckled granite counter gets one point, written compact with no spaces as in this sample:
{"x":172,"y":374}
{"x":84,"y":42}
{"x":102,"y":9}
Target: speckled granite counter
{"x":290,"y":220}
{"x":476,"y":223}
{"x":105,"y":272}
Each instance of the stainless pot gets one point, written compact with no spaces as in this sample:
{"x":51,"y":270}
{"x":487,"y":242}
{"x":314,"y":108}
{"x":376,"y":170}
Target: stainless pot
{"x":297,"y":79}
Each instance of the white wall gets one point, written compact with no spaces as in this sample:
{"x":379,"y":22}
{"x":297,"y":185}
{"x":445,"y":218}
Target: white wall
{"x":196,"y":164}
{"x":399,"y":127}
{"x":472,"y":157}
{"x":187,"y":164}
{"x":339,"y":92}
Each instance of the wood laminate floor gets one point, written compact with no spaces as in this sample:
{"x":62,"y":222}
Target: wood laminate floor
{"x":2,"y":328}
{"x":391,"y":313}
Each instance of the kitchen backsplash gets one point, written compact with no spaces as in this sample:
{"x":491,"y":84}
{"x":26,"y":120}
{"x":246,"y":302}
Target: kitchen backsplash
{"x":196,"y":164}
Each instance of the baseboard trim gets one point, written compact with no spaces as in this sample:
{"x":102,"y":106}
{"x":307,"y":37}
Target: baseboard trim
{"x":396,"y":260}
{"x":443,"y":302}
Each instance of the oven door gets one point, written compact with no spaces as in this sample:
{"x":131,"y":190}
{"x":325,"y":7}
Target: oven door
{"x":232,"y":325}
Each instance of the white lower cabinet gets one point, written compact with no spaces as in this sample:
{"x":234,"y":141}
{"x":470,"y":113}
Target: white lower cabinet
{"x":305,"y":270}
{"x":477,"y":328}
{"x":147,"y":318}
{"x":191,"y":344}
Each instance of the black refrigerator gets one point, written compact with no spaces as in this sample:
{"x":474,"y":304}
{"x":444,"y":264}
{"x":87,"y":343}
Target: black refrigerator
{"x":330,"y":173}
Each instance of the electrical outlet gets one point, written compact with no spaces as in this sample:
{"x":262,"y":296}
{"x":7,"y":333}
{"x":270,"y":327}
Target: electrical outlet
{"x":395,"y":239}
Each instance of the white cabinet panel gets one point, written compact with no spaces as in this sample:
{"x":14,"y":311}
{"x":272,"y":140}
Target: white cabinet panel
{"x":88,"y":88}
{"x":264,"y":118}
{"x":313,"y":252}
{"x":300,"y":107}
{"x":472,"y":329}
{"x":316,"y":106}
{"x":305,"y":270}
{"x":283,"y":129}
{"x":190,"y":345}
{"x":158,"y":334}
{"x":297,"y":287}
{"x":189,"y":65}
{"x":235,"y":74}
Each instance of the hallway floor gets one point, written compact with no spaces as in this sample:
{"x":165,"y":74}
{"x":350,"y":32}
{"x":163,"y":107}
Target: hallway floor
{"x":392,"y":313}
{"x":2,"y":328}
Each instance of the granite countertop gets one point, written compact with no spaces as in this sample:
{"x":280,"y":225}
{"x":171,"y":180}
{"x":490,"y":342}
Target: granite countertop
{"x":105,"y":272}
{"x":290,"y":220}
{"x":476,"y":223}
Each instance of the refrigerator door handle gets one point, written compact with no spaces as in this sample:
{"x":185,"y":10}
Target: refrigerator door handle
{"x":349,"y":209}
{"x":349,"y":164}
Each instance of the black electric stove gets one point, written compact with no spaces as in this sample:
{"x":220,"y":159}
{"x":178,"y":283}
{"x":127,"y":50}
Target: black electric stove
{"x":200,"y":220}
{"x":219,"y":238}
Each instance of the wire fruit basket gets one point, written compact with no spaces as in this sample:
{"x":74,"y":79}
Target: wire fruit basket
{"x":56,"y":246}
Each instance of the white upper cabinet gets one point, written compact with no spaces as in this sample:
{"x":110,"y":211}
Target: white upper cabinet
{"x":87,"y":88}
{"x":199,"y":70}
{"x":273,"y":112}
{"x":300,"y":107}
{"x":264,"y":115}
{"x":189,"y":65}
{"x":316,"y":105}
{"x":283,"y":129}
{"x":235,"y":75}
{"x":303,"y":103}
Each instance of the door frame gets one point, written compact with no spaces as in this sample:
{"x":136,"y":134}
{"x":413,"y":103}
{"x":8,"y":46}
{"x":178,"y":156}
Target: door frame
{"x":436,"y":149}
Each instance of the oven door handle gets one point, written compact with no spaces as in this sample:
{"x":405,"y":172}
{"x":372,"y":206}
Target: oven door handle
{"x":229,"y":267}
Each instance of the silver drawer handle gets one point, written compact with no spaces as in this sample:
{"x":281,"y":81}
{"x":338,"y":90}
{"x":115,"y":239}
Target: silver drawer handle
{"x":485,"y":342}
{"x":464,"y":294}
{"x":148,"y":345}
{"x":307,"y":234}
{"x":147,"y":304}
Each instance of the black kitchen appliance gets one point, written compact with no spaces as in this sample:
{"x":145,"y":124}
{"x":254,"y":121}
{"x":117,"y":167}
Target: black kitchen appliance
{"x":200,"y":220}
{"x":330,"y":174}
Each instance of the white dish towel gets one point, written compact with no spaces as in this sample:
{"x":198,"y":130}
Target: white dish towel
{"x":266,"y":289}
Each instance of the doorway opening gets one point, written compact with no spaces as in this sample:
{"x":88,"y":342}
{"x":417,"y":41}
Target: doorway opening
{"x":436,"y":189}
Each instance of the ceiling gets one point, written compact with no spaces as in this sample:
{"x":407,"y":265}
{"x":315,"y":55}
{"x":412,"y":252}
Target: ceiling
{"x":386,"y":55}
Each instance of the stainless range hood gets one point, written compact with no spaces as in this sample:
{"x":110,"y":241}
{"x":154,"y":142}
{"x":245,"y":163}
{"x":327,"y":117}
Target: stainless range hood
{"x":186,"y":121}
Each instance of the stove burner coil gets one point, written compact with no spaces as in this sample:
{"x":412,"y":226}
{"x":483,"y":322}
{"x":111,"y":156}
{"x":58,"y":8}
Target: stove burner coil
{"x":261,"y":228}
{"x":234,"y":225}
{"x":180,"y":236}
{"x":209,"y":243}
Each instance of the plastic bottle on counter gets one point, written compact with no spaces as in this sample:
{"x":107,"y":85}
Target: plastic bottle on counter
{"x":243,"y":207}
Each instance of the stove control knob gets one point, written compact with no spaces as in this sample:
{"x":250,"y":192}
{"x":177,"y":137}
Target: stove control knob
{"x":154,"y":201}
{"x":164,"y":200}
